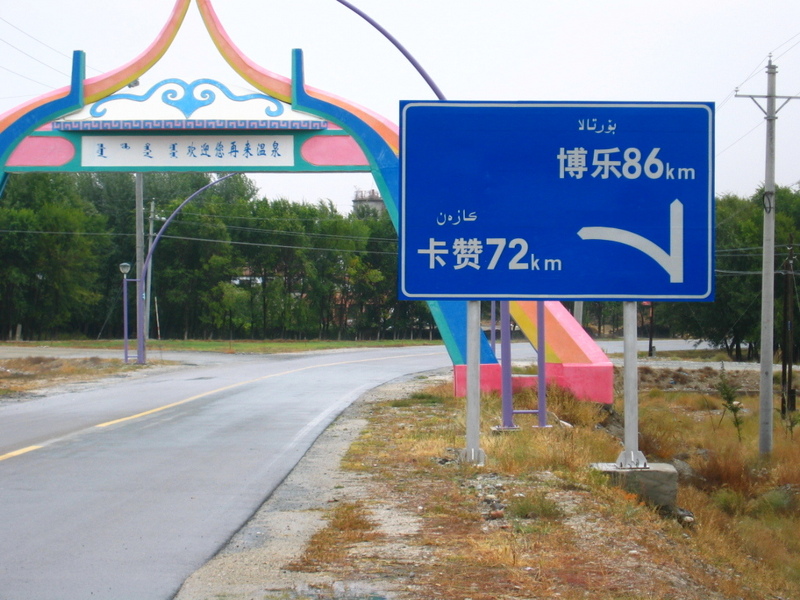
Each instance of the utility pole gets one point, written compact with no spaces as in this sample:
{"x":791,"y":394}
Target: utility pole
{"x":577,"y":312}
{"x":766,"y":400}
{"x":140,"y":287}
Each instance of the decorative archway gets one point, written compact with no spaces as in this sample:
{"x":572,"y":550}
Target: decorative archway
{"x":205,"y":125}
{"x":277,"y":125}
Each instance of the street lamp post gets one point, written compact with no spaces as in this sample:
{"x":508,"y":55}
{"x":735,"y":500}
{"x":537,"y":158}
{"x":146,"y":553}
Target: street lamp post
{"x":125,"y":268}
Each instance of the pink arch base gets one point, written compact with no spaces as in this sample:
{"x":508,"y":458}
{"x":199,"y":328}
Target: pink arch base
{"x":574,"y":360}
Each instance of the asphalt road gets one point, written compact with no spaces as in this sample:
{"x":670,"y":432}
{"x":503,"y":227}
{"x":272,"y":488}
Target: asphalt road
{"x":123,"y":489}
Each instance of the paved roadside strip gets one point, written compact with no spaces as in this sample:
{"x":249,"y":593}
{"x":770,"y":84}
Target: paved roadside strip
{"x":253,"y":564}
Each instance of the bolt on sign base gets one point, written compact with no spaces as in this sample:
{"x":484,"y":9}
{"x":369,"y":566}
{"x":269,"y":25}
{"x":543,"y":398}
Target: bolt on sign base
{"x":475,"y":456}
{"x":631,"y":459}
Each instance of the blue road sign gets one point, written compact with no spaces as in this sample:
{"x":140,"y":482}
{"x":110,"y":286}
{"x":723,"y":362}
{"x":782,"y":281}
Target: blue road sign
{"x":516,"y":200}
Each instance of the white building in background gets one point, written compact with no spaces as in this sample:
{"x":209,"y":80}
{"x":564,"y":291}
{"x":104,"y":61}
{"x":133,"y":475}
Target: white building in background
{"x":370,"y":198}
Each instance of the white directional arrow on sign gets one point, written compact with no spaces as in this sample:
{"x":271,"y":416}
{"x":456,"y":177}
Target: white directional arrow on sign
{"x":671,"y":262}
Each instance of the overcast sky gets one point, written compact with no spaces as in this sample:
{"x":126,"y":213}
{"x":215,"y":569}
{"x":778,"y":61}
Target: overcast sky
{"x":606,"y":50}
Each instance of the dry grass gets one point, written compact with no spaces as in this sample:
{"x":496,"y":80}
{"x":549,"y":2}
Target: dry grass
{"x":569,"y":448}
{"x":537,"y":522}
{"x":22,"y":375}
{"x":348,"y":524}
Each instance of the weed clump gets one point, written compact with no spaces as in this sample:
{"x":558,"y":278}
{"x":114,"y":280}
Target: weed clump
{"x":534,"y":506}
{"x":729,"y":392}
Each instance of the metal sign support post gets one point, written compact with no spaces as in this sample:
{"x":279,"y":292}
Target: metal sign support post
{"x":541,"y":362}
{"x":577,"y":311}
{"x":507,"y":380}
{"x":631,"y":457}
{"x":473,"y":453}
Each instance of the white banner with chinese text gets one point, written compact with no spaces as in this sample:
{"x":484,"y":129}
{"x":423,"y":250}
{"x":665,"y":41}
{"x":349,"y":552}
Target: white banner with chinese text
{"x":211,"y":151}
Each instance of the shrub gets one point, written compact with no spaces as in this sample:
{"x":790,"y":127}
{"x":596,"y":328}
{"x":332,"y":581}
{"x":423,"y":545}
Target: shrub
{"x":780,"y":501}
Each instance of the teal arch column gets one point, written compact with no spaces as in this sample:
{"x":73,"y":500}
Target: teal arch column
{"x":450,"y":316}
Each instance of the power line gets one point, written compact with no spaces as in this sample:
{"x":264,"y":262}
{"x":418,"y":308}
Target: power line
{"x":97,"y":233}
{"x":337,"y":217}
{"x":292,"y":233}
{"x":729,"y":146}
{"x":197,"y":239}
{"x":752,"y":74}
{"x":24,"y":76}
{"x":723,"y":272}
{"x":34,"y":58}
{"x":788,"y":49}
{"x":35,"y":39}
{"x":235,"y":243}
{"x":738,"y":249}
{"x":764,"y":60}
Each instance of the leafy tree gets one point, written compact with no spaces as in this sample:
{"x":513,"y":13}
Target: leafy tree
{"x":50,"y":256}
{"x":186,"y":269}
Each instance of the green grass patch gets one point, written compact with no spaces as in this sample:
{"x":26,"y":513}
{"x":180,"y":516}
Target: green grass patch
{"x":417,"y":399}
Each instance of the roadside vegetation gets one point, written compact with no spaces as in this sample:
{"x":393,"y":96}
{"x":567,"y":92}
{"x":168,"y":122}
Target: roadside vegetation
{"x":538,"y":522}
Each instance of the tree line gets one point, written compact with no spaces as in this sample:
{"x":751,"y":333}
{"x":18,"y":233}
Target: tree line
{"x":232,"y":264}
{"x":237,"y":265}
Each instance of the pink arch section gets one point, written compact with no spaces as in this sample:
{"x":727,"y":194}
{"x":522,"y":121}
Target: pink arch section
{"x":574,"y":360}
{"x":326,"y":151}
{"x":42,"y":152}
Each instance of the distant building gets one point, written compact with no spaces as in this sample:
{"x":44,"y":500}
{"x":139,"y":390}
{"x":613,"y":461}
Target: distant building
{"x":370,"y":198}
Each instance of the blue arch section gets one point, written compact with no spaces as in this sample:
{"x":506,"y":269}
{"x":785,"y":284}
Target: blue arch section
{"x":36,"y":117}
{"x":450,"y":316}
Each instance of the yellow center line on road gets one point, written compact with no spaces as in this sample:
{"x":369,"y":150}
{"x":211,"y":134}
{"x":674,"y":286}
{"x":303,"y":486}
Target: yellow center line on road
{"x":222,"y":389}
{"x":18,"y":452}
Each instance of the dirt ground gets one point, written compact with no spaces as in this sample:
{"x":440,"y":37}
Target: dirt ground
{"x":692,"y":377}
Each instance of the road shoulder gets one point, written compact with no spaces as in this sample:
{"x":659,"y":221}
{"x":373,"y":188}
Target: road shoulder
{"x":254,"y":562}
